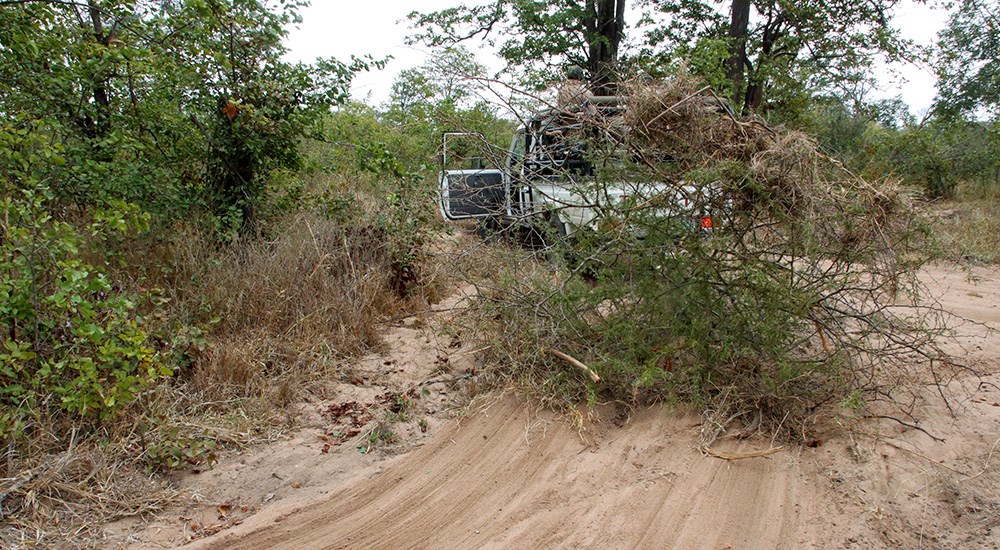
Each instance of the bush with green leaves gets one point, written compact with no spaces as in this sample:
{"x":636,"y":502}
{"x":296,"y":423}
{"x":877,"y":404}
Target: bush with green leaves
{"x":180,"y":107}
{"x":72,"y":344}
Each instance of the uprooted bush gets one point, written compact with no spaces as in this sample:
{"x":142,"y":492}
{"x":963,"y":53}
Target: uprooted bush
{"x":764,"y":282}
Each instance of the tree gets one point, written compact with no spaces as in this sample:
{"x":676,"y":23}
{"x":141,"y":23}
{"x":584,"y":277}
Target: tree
{"x":966,"y":64}
{"x":440,"y":96}
{"x":166,"y":104}
{"x":777,"y":46}
{"x":250,"y":105}
{"x":538,"y":36}
{"x":450,"y":76}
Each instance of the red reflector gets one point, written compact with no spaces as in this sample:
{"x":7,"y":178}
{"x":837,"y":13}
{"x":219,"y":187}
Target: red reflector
{"x":706,"y":223}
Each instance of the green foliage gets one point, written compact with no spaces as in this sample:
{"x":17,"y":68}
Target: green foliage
{"x":882,"y":138}
{"x":451,"y":76}
{"x":840,"y":131}
{"x":406,"y":216}
{"x":177,"y":107}
{"x":182,"y":117}
{"x":966,"y":64}
{"x":937,"y":155}
{"x":924,"y":160}
{"x":785,"y":49}
{"x":537,"y":39}
{"x":252,"y":107}
{"x":178,"y":450}
{"x":705,"y":58}
{"x":534,"y":35}
{"x":440,"y":96}
{"x":71,"y":341}
{"x":380,"y":436}
{"x":785,"y":305}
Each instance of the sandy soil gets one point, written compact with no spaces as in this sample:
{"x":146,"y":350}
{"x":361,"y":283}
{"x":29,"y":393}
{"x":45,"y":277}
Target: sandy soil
{"x":505,"y":475}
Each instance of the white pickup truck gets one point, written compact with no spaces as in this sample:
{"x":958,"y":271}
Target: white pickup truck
{"x":549,"y":178}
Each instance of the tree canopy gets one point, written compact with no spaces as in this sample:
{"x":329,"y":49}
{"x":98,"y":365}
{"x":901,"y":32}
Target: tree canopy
{"x":967,"y":68}
{"x":165,"y":101}
{"x":538,"y":37}
{"x":771,"y":51}
{"x":762,"y":53}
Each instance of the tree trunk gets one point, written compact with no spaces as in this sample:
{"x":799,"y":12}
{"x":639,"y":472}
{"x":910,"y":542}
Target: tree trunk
{"x":757,"y":79}
{"x":605,"y":25}
{"x":102,"y":99}
{"x":235,"y":169}
{"x":737,"y":63}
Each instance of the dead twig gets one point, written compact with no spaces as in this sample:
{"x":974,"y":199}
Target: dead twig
{"x":928,"y":459}
{"x":986,"y":465}
{"x":576,"y":363}
{"x":739,"y":456}
{"x":909,"y":425}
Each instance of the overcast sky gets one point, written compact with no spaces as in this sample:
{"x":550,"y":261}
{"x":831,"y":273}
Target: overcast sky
{"x":335,"y":28}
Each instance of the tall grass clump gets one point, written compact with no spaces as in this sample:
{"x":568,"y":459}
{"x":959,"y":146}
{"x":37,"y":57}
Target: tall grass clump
{"x":968,"y":227}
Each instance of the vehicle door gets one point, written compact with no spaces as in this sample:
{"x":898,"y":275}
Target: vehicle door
{"x":471,"y":183}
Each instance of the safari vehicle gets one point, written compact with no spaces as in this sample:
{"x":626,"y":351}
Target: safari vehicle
{"x":565,"y":171}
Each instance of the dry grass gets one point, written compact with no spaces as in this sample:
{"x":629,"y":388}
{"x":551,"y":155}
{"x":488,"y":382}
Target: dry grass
{"x":249,"y":327}
{"x":315,"y":284}
{"x":968,"y":229}
{"x":288,"y":308}
{"x":65,"y":498}
{"x":681,"y":117}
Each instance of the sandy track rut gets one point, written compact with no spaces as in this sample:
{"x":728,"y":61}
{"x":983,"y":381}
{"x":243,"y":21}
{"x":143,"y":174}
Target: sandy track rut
{"x":507,"y":477}
{"x":510,"y":477}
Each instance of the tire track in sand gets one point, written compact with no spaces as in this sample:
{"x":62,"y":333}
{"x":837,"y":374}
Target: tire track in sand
{"x":507,"y":477}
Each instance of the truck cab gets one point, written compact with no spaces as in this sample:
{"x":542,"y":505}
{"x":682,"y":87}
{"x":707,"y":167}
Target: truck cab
{"x":565,"y":168}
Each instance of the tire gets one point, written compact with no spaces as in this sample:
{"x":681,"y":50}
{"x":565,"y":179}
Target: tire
{"x":489,"y":228}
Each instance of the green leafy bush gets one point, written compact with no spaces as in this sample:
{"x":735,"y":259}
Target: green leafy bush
{"x":71,"y":341}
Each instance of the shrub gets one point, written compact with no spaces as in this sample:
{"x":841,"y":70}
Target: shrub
{"x":71,"y":341}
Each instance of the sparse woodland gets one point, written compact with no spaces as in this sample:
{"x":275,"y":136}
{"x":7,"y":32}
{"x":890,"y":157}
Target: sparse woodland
{"x":194,"y":228}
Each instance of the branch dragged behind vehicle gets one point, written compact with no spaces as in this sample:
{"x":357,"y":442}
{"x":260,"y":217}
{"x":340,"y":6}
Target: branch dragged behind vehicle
{"x":803,"y":297}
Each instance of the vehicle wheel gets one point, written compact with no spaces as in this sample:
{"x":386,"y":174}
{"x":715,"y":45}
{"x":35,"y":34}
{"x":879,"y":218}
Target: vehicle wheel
{"x":489,"y":228}
{"x":547,"y":234}
{"x":573,"y":249}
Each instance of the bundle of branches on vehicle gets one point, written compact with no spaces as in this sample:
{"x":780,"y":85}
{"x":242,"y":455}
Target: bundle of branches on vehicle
{"x":688,"y":120}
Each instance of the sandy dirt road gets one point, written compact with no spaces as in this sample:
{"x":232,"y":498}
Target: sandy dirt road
{"x":507,"y":476}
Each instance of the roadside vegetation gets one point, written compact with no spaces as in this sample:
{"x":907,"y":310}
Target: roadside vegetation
{"x":195,"y":231}
{"x":187,"y":244}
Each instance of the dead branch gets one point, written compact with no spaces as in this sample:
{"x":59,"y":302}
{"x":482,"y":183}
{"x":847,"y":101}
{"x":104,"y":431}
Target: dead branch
{"x":740,"y":456}
{"x":576,"y":363}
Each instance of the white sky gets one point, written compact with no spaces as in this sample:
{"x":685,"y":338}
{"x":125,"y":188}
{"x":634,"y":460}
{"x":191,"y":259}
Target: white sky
{"x":340,"y":28}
